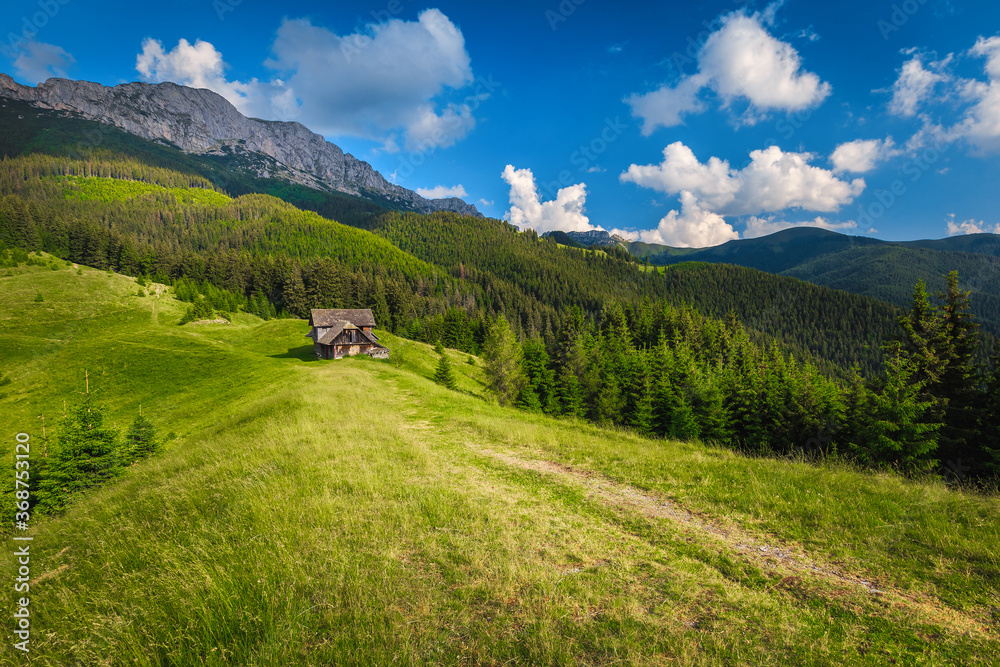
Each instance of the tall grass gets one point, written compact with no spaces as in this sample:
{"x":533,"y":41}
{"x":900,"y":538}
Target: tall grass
{"x":344,"y":512}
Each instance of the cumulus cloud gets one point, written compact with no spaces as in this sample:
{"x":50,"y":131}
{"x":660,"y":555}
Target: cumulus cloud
{"x":769,"y":225}
{"x":862,"y":155}
{"x":38,"y":61}
{"x":971,"y":226}
{"x":739,"y":61}
{"x":387,"y":78}
{"x":564,"y":213}
{"x":773,"y":181}
{"x":981,"y":124}
{"x":680,"y":170}
{"x":914,"y":85}
{"x":692,"y":227}
{"x":442,"y":191}
{"x":667,"y":105}
{"x":200,"y":65}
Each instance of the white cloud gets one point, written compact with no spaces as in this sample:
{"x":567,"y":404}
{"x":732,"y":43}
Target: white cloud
{"x":442,"y":191}
{"x":763,"y":226}
{"x":773,"y":181}
{"x":693,"y":227}
{"x":564,"y":213}
{"x":914,"y":85}
{"x":666,"y":106}
{"x":382,"y":78}
{"x":38,"y":61}
{"x":971,"y":226}
{"x":862,"y":155}
{"x":714,"y":182}
{"x":981,"y":124}
{"x":200,"y":65}
{"x":743,"y":60}
{"x":486,"y":202}
{"x":387,"y":78}
{"x":740,"y":60}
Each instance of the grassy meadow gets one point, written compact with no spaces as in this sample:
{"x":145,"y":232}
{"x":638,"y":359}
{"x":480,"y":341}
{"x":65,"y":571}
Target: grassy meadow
{"x":354,"y":512}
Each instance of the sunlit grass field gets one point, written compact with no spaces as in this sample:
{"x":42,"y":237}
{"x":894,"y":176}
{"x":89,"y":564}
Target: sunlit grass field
{"x":354,"y":512}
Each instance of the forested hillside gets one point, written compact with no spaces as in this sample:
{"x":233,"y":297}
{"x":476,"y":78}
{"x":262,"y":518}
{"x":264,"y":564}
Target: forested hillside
{"x":115,"y":211}
{"x":883,"y":270}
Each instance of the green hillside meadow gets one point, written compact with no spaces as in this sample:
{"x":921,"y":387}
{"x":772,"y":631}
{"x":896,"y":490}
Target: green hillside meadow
{"x":355,"y":512}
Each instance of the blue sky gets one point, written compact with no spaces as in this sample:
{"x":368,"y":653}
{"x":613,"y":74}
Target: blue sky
{"x":687,"y":123}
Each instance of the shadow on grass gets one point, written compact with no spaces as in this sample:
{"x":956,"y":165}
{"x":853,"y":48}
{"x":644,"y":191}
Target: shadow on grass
{"x":303,"y":353}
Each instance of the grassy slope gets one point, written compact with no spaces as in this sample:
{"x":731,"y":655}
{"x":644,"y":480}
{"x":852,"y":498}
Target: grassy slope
{"x":353,"y":512}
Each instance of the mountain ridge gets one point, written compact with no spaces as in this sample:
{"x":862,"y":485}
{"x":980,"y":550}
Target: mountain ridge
{"x":200,"y":121}
{"x":885,"y":270}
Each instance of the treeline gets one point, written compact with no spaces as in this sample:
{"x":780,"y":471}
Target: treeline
{"x":670,"y":372}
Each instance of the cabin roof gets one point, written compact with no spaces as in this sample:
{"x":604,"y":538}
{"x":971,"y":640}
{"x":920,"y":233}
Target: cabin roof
{"x":334,"y":331}
{"x":337,"y":328}
{"x":330,"y":317}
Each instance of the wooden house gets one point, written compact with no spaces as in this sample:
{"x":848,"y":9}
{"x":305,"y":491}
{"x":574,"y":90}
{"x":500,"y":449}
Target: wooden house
{"x":340,"y":332}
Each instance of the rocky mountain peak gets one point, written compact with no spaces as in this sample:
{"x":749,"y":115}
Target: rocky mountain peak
{"x":203,"y":122}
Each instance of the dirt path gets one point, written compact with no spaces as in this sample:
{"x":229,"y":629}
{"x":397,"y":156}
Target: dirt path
{"x":789,"y":562}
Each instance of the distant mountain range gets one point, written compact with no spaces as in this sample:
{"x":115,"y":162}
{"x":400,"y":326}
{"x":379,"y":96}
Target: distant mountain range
{"x":592,"y":238}
{"x":202,"y":122}
{"x":885,"y":270}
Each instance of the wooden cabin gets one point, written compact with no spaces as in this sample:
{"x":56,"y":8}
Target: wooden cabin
{"x":341,"y":332}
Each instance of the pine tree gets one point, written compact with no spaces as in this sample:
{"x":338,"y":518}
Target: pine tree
{"x":85,"y":455}
{"x":140,"y":441}
{"x":444,"y":375}
{"x":296,"y":300}
{"x":643,"y":417}
{"x":895,"y":425}
{"x":570,"y":394}
{"x":502,"y":358}
{"x":922,"y":341}
{"x":990,"y":421}
{"x":956,"y":388}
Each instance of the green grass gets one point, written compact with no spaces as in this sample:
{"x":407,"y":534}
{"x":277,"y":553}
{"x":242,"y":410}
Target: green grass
{"x":354,"y":512}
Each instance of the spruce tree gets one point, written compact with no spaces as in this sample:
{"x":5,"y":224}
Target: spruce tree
{"x":85,"y":456}
{"x":895,"y":426}
{"x":956,"y":387}
{"x":570,"y":394}
{"x":296,"y":299}
{"x":140,"y":441}
{"x":444,"y":375}
{"x":502,"y":359}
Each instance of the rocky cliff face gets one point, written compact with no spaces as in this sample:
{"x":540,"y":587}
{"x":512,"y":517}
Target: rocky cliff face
{"x":200,"y":121}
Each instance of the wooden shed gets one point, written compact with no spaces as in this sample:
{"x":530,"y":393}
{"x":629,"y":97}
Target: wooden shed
{"x":341,"y":332}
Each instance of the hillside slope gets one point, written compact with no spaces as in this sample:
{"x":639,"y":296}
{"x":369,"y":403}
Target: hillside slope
{"x":353,"y":512}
